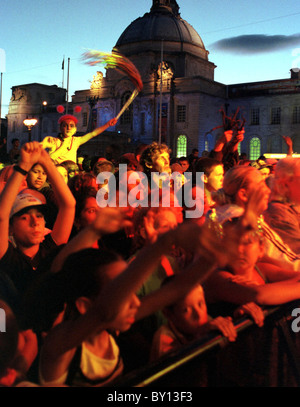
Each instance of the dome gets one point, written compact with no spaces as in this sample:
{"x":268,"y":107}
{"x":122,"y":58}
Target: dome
{"x":163,"y":22}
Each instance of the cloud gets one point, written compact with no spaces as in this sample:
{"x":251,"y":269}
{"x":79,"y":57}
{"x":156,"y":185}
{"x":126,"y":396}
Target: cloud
{"x":256,"y":44}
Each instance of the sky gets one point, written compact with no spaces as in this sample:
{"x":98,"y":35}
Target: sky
{"x":247,"y":41}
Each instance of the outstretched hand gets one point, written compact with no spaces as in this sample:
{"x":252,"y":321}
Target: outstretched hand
{"x":110,"y":220}
{"x":288,"y":140}
{"x":202,"y":240}
{"x":112,"y":122}
{"x":289,"y":143}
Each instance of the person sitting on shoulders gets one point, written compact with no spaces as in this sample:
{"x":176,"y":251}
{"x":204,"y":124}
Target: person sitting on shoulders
{"x":65,"y":146}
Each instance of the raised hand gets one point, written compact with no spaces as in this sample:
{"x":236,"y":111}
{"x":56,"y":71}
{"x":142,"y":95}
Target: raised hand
{"x":112,"y":122}
{"x":30,"y":154}
{"x":289,"y":143}
{"x":110,"y":220}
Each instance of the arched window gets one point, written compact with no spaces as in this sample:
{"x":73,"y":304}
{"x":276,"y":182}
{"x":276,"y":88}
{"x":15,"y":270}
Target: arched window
{"x":255,"y":148}
{"x":126,"y":117}
{"x":209,"y":142}
{"x":181,"y":146}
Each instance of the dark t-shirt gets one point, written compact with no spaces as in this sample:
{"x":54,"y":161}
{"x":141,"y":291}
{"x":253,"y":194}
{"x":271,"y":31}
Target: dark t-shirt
{"x":22,"y":270}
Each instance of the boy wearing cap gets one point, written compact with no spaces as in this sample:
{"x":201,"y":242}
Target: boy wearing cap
{"x":22,"y":218}
{"x":65,"y":146}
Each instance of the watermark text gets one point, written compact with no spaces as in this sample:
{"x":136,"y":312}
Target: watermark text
{"x":135,"y":189}
{"x":2,"y":320}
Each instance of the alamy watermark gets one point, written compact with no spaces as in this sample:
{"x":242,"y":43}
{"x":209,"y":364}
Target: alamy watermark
{"x":296,"y":322}
{"x":136,"y":189}
{"x":2,"y":320}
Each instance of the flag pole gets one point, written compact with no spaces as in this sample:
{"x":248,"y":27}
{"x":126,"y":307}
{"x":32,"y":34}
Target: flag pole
{"x":68,"y":86}
{"x":63,"y":69}
{"x":161,"y":87}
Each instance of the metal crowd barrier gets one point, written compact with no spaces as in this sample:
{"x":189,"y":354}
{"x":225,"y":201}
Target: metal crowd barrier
{"x":262,"y":357}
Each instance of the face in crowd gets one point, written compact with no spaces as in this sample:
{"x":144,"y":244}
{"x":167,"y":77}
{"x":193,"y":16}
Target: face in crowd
{"x":189,"y":313}
{"x":28,"y":227}
{"x":161,"y":163}
{"x":36,"y":177}
{"x":68,"y":128}
{"x":214,"y":180}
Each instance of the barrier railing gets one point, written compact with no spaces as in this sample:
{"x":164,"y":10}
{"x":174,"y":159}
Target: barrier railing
{"x":267,"y":356}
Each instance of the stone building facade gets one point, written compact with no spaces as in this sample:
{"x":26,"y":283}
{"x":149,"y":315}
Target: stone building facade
{"x":180,"y":101}
{"x":38,"y":101}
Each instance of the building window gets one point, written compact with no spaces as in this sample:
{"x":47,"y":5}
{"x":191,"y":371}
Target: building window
{"x":126,"y":117}
{"x":254,"y":116}
{"x":181,"y":114}
{"x":239,"y":148}
{"x":181,"y":146}
{"x":84,"y":119}
{"x":275,"y":115}
{"x":255,"y":148}
{"x":296,"y":115}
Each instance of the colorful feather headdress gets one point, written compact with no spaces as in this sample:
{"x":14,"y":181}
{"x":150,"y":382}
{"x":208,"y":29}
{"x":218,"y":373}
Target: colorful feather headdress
{"x":115,"y":60}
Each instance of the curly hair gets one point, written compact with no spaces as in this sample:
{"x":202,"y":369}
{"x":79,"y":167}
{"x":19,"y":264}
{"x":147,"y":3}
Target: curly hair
{"x":150,"y":153}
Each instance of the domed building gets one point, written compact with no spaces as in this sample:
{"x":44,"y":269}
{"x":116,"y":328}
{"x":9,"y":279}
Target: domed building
{"x":180,"y":99}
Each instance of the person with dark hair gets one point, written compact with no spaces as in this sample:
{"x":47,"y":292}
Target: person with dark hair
{"x":184,"y":162}
{"x":23,"y":244}
{"x":14,"y":152}
{"x":138,"y":153}
{"x":71,"y":167}
{"x":188,"y":320}
{"x":156,"y":158}
{"x":102,"y":299}
{"x":213,"y":174}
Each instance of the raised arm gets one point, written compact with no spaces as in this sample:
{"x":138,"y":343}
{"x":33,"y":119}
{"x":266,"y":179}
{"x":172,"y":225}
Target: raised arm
{"x":201,"y":240}
{"x":108,"y":220}
{"x":64,"y":198}
{"x":30,"y":154}
{"x":222,"y":286}
{"x":289,"y":143}
{"x":99,"y":130}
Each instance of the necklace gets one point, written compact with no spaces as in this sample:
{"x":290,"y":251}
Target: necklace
{"x":69,"y":148}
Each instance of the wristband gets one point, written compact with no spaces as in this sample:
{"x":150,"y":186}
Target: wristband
{"x":20,"y":170}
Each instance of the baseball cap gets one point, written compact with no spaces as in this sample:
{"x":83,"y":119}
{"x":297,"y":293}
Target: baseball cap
{"x":23,"y":201}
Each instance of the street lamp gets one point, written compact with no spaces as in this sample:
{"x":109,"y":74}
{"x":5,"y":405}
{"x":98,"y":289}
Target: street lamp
{"x":29,"y":123}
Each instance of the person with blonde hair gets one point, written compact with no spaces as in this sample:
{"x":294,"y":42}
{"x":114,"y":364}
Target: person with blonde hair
{"x":245,"y":191}
{"x":283,"y":213}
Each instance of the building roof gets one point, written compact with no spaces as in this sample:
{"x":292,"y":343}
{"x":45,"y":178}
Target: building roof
{"x":163,"y":22}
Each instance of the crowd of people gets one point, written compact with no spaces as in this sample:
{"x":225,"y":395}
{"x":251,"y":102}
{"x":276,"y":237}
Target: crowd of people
{"x":106,"y":265}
